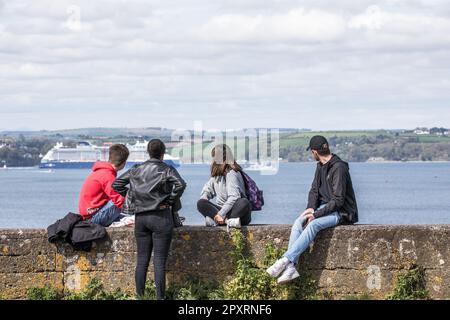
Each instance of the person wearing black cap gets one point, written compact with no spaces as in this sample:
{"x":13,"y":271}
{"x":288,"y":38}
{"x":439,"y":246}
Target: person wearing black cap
{"x":331,"y":202}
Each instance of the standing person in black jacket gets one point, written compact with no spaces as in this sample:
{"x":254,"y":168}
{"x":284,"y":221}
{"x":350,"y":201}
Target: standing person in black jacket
{"x":154,"y":188}
{"x":331,"y":202}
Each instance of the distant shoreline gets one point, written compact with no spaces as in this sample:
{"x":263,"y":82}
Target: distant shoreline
{"x":408,"y":161}
{"x":384,"y":161}
{"x":300,"y":162}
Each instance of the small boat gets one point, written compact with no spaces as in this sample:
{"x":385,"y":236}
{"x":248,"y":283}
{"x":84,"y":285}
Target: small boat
{"x":263,"y":168}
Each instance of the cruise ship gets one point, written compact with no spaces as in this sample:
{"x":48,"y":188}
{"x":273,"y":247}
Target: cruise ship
{"x":85,"y":154}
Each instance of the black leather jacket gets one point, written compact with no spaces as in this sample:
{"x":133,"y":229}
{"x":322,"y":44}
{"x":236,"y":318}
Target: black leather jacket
{"x":153,"y":185}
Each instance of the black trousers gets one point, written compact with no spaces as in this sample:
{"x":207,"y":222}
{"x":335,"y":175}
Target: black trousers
{"x":241,"y":209}
{"x":153,"y":231}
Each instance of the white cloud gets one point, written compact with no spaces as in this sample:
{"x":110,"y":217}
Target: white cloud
{"x":296,"y":24}
{"x":411,"y":24}
{"x":32,"y":70}
{"x":371,"y":19}
{"x":361,"y":63}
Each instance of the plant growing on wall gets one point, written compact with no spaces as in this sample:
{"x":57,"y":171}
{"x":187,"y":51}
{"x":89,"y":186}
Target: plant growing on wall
{"x":251,"y":282}
{"x":411,"y":285}
{"x":43,"y":293}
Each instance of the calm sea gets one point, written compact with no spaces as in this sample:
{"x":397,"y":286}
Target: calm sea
{"x":387,"y":193}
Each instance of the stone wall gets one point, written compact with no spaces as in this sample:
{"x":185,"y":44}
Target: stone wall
{"x":346,"y":260}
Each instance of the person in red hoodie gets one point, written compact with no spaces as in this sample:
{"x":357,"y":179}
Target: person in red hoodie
{"x":99,"y":202}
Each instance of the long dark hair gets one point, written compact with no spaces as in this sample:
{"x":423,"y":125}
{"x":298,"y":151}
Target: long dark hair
{"x":223,"y":161}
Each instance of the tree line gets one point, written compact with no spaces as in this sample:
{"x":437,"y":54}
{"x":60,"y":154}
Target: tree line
{"x":25,"y":151}
{"x":381,"y":147}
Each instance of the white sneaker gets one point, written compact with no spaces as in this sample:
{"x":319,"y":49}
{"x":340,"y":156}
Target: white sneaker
{"x":289,"y":274}
{"x":233,"y":223}
{"x":278,"y":267}
{"x":210,"y":222}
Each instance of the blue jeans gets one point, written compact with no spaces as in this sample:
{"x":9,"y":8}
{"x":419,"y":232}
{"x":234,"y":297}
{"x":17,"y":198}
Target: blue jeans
{"x":301,"y":238}
{"x":108,"y":214}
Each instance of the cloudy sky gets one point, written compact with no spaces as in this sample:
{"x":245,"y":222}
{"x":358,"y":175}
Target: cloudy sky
{"x":244,"y":63}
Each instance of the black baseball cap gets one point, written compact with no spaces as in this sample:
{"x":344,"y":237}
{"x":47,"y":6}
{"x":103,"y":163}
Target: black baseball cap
{"x":318,"y":143}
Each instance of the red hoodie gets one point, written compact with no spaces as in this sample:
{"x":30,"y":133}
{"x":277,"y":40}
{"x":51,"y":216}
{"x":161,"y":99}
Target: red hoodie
{"x":97,"y":190}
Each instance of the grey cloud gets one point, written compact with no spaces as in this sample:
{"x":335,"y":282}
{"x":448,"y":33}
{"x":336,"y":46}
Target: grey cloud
{"x":277,"y":62}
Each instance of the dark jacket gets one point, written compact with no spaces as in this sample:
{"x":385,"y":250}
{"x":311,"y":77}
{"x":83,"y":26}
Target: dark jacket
{"x":71,"y":229}
{"x":152,"y":185}
{"x":340,"y":191}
